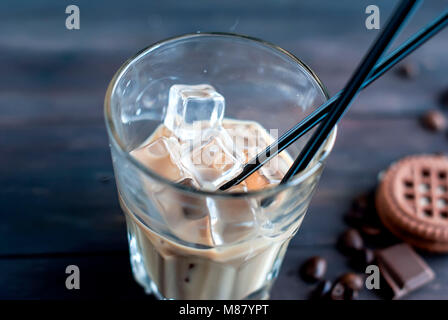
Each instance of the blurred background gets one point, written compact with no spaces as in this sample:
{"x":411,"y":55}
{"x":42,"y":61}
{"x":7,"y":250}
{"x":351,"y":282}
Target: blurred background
{"x":57,"y":194}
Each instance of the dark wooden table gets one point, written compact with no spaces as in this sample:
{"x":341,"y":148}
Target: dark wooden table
{"x":57,"y":193}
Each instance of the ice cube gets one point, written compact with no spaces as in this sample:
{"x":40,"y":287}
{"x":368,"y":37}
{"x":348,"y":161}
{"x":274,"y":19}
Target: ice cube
{"x":232,"y":220}
{"x":239,"y":188}
{"x":275,"y":169}
{"x":193,"y":207}
{"x":162,"y":156}
{"x":212,"y":161}
{"x":256,"y":181}
{"x":193,"y":104}
{"x":186,"y":214}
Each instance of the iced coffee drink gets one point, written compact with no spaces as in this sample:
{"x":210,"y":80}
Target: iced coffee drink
{"x":184,"y":116}
{"x":200,"y":149}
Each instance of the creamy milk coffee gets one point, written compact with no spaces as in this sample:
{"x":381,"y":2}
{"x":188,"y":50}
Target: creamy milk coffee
{"x":218,"y":250}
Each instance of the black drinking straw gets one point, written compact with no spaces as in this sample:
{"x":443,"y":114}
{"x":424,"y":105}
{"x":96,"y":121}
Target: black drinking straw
{"x":351,"y":89}
{"x":320,"y":113}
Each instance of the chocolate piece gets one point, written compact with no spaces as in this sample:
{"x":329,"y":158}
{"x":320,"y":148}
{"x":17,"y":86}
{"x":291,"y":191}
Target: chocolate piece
{"x":403,"y":269}
{"x":322,"y":290}
{"x":434,"y":120}
{"x":350,"y":241}
{"x":408,"y":70}
{"x":314,"y":269}
{"x":352,"y":280}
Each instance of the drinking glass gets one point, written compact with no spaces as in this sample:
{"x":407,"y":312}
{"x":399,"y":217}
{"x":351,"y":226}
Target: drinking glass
{"x":172,"y":254}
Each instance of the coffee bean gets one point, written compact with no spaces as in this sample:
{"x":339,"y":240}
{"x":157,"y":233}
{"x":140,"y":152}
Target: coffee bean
{"x":350,"y":241}
{"x":352,"y":281}
{"x":372,"y":224}
{"x":408,"y":70}
{"x":361,"y":202}
{"x":322,"y":290}
{"x":355,"y":218}
{"x":362,"y":258}
{"x":362,"y":210}
{"x":345,"y":288}
{"x":443,"y":98}
{"x":370,"y":230}
{"x":314,"y":269}
{"x":434,"y":120}
{"x":337,"y":292}
{"x":350,"y":294}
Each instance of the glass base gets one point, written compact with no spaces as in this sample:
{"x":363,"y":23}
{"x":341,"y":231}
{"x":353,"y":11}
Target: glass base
{"x":150,"y":287}
{"x":141,"y":276}
{"x":242,"y":272}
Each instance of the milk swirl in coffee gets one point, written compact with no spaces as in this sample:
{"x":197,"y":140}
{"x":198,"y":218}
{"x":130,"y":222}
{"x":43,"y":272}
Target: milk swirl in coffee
{"x":219,"y":251}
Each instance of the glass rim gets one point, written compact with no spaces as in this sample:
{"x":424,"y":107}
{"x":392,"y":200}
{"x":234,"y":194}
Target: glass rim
{"x":120,"y":146}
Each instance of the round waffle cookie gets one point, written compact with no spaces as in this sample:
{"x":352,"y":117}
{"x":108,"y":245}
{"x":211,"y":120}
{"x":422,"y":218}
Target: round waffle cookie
{"x":412,"y":201}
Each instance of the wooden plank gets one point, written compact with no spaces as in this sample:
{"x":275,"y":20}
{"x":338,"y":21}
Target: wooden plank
{"x":38,"y":91}
{"x":52,"y":80}
{"x":101,"y":276}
